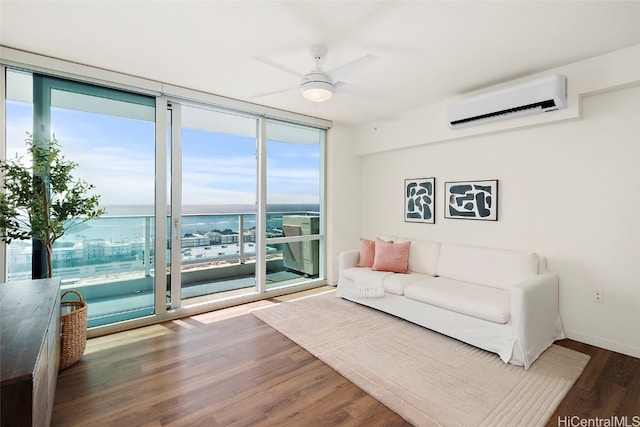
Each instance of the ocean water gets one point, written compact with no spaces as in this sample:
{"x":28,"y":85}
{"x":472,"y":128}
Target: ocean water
{"x":127,"y":223}
{"x":131,"y":224}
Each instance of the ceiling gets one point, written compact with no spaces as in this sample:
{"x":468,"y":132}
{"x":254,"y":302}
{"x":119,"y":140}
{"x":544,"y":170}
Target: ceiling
{"x":427,"y":50}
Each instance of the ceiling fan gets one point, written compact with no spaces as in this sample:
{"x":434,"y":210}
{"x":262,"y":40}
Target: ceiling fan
{"x":319,"y":85}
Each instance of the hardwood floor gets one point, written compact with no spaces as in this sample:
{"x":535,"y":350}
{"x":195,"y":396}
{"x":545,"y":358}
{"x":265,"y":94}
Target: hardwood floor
{"x":227,"y":368}
{"x":608,"y":387}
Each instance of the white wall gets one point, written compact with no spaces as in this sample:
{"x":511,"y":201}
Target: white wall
{"x":343,"y":196}
{"x":569,"y":190}
{"x":428,"y":124}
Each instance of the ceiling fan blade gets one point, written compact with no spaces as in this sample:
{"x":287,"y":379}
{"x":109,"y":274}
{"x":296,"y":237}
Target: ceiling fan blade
{"x":260,"y":95}
{"x":279,"y":66}
{"x":348,"y":68}
{"x":349,"y":89}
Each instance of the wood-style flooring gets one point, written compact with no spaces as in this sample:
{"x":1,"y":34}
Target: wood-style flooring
{"x":227,"y":368}
{"x":608,"y":387}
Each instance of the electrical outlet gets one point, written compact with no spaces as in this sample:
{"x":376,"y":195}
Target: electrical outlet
{"x":598,"y":295}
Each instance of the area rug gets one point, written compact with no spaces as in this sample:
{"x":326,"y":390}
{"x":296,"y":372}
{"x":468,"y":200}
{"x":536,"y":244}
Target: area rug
{"x":425,"y":377}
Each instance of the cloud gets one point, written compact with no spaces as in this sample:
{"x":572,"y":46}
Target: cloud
{"x":117,"y":156}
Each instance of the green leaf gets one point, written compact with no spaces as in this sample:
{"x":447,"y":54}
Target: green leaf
{"x":42,"y":199}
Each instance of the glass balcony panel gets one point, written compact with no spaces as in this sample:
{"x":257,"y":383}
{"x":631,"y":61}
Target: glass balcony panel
{"x":110,"y":261}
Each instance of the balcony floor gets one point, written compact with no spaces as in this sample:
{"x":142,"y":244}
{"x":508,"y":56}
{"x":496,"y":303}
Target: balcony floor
{"x":103,"y":311}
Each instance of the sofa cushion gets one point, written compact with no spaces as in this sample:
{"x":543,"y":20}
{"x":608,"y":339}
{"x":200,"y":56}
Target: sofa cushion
{"x":367,"y":252}
{"x":390,"y":256}
{"x":390,"y":282}
{"x":396,"y":283}
{"x":500,"y":268}
{"x":423,"y":257}
{"x":483,"y":302}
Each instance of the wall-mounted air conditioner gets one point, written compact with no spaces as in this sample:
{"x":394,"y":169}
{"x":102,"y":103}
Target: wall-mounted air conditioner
{"x":532,"y":97}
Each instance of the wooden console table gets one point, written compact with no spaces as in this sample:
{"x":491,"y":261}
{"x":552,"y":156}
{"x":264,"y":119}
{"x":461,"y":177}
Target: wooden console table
{"x":29,"y":351}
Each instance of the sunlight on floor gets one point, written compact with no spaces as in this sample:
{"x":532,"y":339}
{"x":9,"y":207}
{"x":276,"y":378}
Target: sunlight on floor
{"x":146,"y":332}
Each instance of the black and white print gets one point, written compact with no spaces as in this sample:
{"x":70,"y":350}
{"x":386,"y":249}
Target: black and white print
{"x":419,"y":200}
{"x":472,"y":200}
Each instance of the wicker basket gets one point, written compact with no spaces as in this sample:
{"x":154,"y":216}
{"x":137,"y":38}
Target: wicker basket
{"x":73,"y":327}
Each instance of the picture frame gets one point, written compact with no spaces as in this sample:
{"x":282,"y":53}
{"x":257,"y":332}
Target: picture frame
{"x":476,"y":200}
{"x":419,"y":200}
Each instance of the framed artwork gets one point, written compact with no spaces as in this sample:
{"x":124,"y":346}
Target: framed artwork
{"x":419,"y":200}
{"x":472,"y":200}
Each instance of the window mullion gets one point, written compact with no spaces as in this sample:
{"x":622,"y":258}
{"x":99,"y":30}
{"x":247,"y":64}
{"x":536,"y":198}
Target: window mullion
{"x":176,"y":204}
{"x":160,"y":262}
{"x":261,"y":214}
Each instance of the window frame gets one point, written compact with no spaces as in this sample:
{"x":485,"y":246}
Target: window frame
{"x":163,"y":94}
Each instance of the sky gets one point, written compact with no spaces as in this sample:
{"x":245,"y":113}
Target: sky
{"x":116,"y":155}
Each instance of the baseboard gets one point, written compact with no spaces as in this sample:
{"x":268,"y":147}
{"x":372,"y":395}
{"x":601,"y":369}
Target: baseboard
{"x":603,"y":343}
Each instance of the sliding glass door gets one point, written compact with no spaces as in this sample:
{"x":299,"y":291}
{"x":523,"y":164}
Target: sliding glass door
{"x":226,"y":158}
{"x":202,"y":203}
{"x":214,"y":174}
{"x":110,"y":134}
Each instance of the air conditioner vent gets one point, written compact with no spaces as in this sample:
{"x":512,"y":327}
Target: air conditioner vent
{"x":537,"y":96}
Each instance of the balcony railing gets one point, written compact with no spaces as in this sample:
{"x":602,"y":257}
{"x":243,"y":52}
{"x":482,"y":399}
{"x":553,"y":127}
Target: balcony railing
{"x":110,"y":260}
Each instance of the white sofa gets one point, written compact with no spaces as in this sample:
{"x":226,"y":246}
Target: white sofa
{"x":503,"y":301}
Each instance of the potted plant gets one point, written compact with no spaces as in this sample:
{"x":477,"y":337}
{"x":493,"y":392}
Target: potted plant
{"x":41,"y":199}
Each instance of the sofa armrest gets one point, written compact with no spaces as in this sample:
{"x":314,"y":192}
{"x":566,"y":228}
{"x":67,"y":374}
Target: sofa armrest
{"x":348,"y":259}
{"x":536,"y":315}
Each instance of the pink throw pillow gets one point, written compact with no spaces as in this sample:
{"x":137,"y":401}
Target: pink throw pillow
{"x":393,"y":257}
{"x":367,"y":251}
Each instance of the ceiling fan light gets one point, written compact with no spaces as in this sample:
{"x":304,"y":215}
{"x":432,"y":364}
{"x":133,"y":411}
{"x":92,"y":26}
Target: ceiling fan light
{"x":317,"y":95}
{"x":317,"y":91}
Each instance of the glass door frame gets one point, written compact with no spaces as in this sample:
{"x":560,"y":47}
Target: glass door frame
{"x":44,"y":90}
{"x":174,"y":177}
{"x":162,"y":122}
{"x":43,"y":86}
{"x":175,"y":214}
{"x":3,"y":155}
